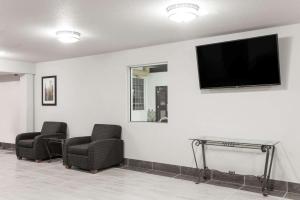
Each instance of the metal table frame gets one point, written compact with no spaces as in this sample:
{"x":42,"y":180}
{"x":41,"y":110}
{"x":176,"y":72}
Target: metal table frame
{"x":57,"y":141}
{"x":269,"y":149}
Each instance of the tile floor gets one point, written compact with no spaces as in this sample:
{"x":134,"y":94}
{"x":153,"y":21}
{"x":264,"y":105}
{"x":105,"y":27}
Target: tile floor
{"x":26,"y":180}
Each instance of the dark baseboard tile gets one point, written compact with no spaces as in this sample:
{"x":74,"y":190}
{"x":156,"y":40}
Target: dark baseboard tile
{"x":279,"y":185}
{"x":161,"y":167}
{"x":4,"y":145}
{"x":276,"y":193}
{"x":175,"y":169}
{"x":253,"y":181}
{"x":247,"y":182}
{"x":189,"y":171}
{"x":139,"y":164}
{"x":225,"y":177}
{"x":125,"y":162}
{"x":294,"y":187}
{"x":224,"y":184}
{"x":275,"y":184}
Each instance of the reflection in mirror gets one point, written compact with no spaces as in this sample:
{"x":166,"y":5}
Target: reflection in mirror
{"x":149,"y":93}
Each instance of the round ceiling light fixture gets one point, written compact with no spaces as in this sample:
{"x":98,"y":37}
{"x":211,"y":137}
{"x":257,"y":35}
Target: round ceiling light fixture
{"x":183,"y":12}
{"x":68,"y":36}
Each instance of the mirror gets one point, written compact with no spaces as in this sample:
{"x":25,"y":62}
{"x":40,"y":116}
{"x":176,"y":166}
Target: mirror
{"x":149,"y":93}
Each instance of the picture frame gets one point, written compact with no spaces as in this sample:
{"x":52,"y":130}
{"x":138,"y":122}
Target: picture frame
{"x":49,"y":91}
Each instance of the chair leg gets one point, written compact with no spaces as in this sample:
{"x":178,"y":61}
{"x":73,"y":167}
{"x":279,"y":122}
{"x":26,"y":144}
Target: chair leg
{"x":38,"y":161}
{"x":68,"y":166}
{"x":19,"y":157}
{"x":93,"y":171}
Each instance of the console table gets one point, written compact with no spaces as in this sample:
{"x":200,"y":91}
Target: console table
{"x":267,"y":147}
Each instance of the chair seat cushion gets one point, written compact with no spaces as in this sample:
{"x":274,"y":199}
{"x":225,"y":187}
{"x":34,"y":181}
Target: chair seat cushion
{"x":26,"y":143}
{"x":81,"y":149}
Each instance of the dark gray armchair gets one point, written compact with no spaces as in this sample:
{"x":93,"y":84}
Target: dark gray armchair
{"x":101,"y":150}
{"x":32,"y":145}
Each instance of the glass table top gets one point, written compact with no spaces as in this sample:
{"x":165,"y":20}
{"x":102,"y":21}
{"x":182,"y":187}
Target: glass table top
{"x":237,"y":141}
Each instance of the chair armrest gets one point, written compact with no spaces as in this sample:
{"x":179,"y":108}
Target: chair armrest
{"x":78,"y":140}
{"x":73,"y":141}
{"x":103,"y":149}
{"x":102,"y":143}
{"x":24,"y":136}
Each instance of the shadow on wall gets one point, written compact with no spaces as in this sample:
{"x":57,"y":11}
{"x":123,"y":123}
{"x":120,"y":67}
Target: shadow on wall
{"x":284,"y":45}
{"x":9,"y":78}
{"x":284,"y":162}
{"x":68,"y":135}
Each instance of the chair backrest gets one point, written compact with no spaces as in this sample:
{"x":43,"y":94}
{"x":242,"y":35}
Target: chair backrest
{"x":53,"y":127}
{"x":105,"y":131}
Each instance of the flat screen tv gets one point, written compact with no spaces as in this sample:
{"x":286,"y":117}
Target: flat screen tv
{"x":246,"y":62}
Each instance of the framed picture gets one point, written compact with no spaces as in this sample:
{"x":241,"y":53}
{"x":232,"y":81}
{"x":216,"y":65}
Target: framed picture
{"x":49,"y":97}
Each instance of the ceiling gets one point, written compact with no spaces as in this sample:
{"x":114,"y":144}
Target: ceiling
{"x":27,"y":27}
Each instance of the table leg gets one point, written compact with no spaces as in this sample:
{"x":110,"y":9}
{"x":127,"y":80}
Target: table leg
{"x":204,"y":160}
{"x":62,"y":148}
{"x":268,"y":168}
{"x":62,"y":151}
{"x":196,"y":143}
{"x":47,"y":149}
{"x":269,"y":185}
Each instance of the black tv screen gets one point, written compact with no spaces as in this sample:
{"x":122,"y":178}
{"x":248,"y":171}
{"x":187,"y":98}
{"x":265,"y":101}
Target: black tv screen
{"x":246,"y":62}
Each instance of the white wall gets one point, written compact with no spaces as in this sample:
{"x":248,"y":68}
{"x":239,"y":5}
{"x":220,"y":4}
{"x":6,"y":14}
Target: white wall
{"x":27,"y":102}
{"x":95,"y":90}
{"x":16,"y":106}
{"x":23,"y":91}
{"x":26,"y":90}
{"x":9,"y":109}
